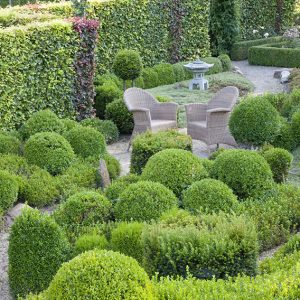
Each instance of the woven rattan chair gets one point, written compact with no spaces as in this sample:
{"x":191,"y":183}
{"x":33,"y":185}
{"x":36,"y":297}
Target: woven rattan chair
{"x":148,"y":113}
{"x":209,"y":122}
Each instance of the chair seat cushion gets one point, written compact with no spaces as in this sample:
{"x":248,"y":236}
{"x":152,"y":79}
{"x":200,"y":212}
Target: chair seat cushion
{"x":157,"y":125}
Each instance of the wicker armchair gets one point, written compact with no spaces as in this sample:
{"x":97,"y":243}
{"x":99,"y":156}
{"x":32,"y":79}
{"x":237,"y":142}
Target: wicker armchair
{"x":209,"y":122}
{"x":148,"y":113}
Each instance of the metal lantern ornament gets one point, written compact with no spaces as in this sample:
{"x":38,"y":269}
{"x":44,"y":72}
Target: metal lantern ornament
{"x":199,"y":68}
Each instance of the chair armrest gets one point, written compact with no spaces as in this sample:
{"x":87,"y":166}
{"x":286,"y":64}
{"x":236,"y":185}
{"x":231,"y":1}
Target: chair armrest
{"x":164,"y":111}
{"x":219,"y":109}
{"x":217,"y":118}
{"x":196,"y":112}
{"x":141,"y":116}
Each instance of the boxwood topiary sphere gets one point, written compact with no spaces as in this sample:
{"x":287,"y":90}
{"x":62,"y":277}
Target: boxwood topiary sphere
{"x":113,"y":191}
{"x":150,"y":78}
{"x":108,"y":77}
{"x":113,"y":166}
{"x":144,"y":201}
{"x":209,"y":195}
{"x":86,"y":141}
{"x":9,"y":144}
{"x":175,"y":168}
{"x":147,"y":144}
{"x":254,"y":121}
{"x":128,"y":64}
{"x":83,"y":208}
{"x":246,"y":172}
{"x":69,"y":124}
{"x":101,"y":275}
{"x":217,"y":65}
{"x":88,"y":242}
{"x":117,"y":112}
{"x":40,"y":189}
{"x":42,"y":121}
{"x":165,"y":73}
{"x":179,"y":72}
{"x":226,"y":62}
{"x":49,"y":151}
{"x":280,"y":161}
{"x":8,"y":190}
{"x":108,"y":128}
{"x":37,"y":248}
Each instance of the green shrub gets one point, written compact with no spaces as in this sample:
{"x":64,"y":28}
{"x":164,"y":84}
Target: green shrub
{"x":113,"y":191}
{"x":86,"y":141}
{"x":188,"y":74}
{"x":280,"y":161}
{"x":165,"y":73}
{"x":284,"y":139}
{"x":126,"y":239}
{"x":174,"y":168}
{"x":108,"y":77}
{"x":221,"y":246}
{"x":216,"y":153}
{"x":179,"y":72}
{"x":15,"y":165}
{"x":88,"y":242}
{"x":150,"y":78}
{"x":42,"y":121}
{"x":8,"y":191}
{"x":295,"y":79}
{"x":240,"y":50}
{"x":9,"y":144}
{"x":113,"y":166}
{"x":83,"y":209}
{"x":69,"y":124}
{"x":117,"y":112}
{"x":246,"y":172}
{"x":49,"y":151}
{"x":106,"y":127}
{"x":37,"y":248}
{"x":41,"y":189}
{"x":105,"y":94}
{"x":144,"y":201}
{"x":254,"y":121}
{"x":209,"y":195}
{"x":295,"y":128}
{"x":94,"y":273}
{"x":291,"y":104}
{"x":277,"y":100}
{"x":217,"y":65}
{"x":226,"y":62}
{"x":147,"y":144}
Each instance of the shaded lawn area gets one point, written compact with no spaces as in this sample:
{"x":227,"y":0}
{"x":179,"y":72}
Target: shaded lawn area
{"x":294,"y":175}
{"x":179,"y":92}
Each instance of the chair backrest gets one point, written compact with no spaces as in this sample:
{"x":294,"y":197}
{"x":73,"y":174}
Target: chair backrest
{"x":138,"y":98}
{"x":225,"y":98}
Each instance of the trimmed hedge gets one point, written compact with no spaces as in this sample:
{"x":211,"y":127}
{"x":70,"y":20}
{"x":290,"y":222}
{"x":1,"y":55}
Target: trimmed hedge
{"x":147,"y":144}
{"x":8,"y":191}
{"x":94,"y":273}
{"x":144,"y":201}
{"x":240,"y":50}
{"x":246,"y":172}
{"x":9,"y":144}
{"x":174,"y":168}
{"x":165,"y":73}
{"x":88,"y":242}
{"x":37,"y":248}
{"x":270,"y":55}
{"x":222,"y":245}
{"x":49,"y":151}
{"x":39,"y":57}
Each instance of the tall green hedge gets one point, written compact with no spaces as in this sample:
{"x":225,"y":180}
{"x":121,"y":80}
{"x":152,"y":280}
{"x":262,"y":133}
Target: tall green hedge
{"x":36,"y":70}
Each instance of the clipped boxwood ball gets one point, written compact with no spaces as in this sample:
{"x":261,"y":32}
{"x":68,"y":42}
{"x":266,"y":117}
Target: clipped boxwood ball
{"x":113,"y":191}
{"x":113,"y":166}
{"x":254,"y":121}
{"x":49,"y":151}
{"x":147,"y":144}
{"x":165,"y":73}
{"x":101,"y":275}
{"x":42,"y":121}
{"x":246,"y":172}
{"x":37,"y":248}
{"x":209,"y":195}
{"x":40,"y":189}
{"x":144,"y":201}
{"x":83,"y":208}
{"x":108,"y":128}
{"x":9,"y":144}
{"x":86,"y":141}
{"x":280,"y":161}
{"x":150,"y":78}
{"x":174,"y":168}
{"x":88,"y":242}
{"x":226,"y":62}
{"x":69,"y":124}
{"x":8,"y":190}
{"x":128,"y":64}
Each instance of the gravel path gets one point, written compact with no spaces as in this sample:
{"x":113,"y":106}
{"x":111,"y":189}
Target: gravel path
{"x":4,"y":287}
{"x":262,"y":77}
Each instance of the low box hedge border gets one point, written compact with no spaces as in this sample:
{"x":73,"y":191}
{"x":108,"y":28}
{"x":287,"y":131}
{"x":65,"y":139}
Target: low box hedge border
{"x":268,"y":55}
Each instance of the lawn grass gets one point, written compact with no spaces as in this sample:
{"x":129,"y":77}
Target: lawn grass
{"x":294,"y":175}
{"x":180,"y":93}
